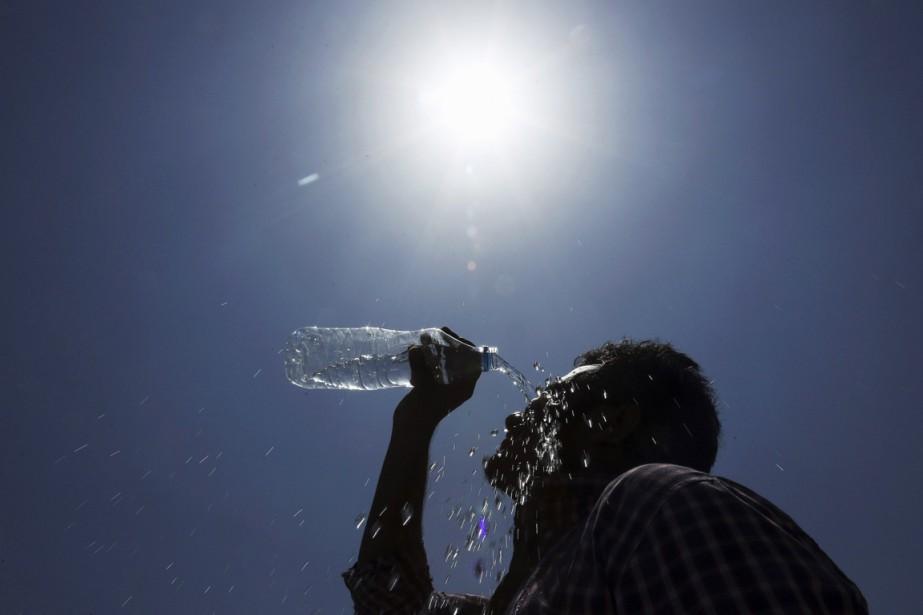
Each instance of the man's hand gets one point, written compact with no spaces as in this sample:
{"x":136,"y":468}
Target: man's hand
{"x":437,"y":399}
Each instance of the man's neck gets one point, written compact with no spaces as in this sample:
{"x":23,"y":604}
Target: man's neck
{"x":554,"y":508}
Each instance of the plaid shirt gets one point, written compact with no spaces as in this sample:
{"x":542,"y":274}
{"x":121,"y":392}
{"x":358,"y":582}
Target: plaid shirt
{"x":659,"y":539}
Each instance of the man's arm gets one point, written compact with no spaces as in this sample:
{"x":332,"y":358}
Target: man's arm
{"x":393,"y":533}
{"x":402,"y":483}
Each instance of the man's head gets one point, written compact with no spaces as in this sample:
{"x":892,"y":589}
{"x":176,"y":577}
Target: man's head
{"x":626,"y":404}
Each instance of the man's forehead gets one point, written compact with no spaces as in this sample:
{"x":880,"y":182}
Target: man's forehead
{"x":583,"y":369}
{"x":560,"y":384}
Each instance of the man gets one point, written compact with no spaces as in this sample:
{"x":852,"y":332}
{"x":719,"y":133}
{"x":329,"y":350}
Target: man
{"x":616,"y":512}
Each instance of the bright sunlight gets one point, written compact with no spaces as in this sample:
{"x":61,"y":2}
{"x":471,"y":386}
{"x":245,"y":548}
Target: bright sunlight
{"x":472,"y":103}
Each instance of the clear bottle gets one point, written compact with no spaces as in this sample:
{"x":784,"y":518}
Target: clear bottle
{"x":370,"y":358}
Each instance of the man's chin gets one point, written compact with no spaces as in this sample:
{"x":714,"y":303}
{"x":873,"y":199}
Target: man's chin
{"x":511,"y":478}
{"x":500,"y":474}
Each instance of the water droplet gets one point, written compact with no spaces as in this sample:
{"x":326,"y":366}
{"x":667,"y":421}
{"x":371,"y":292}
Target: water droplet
{"x":494,"y":432}
{"x":392,"y":582}
{"x":375,"y":528}
{"x":479,"y":570}
{"x":406,"y":513}
{"x":472,"y":451}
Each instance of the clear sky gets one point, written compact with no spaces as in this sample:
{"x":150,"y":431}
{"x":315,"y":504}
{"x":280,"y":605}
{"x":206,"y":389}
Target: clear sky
{"x":185,"y":183}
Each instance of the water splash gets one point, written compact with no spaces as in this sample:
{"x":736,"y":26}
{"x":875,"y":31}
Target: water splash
{"x":517,"y":377}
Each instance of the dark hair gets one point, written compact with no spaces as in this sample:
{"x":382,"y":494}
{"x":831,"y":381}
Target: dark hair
{"x":677,"y":402}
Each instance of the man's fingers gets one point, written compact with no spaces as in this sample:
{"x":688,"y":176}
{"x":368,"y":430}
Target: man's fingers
{"x":457,"y":336}
{"x":452,"y":333}
{"x":419,"y":374}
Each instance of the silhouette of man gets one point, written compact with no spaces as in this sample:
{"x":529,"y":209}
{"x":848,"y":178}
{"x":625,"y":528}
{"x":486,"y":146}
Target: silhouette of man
{"x":615,"y":513}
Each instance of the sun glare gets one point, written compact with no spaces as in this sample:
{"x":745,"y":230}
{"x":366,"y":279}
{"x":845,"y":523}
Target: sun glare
{"x":471,"y":103}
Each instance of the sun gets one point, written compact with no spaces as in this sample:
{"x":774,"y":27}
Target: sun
{"x":471,"y":103}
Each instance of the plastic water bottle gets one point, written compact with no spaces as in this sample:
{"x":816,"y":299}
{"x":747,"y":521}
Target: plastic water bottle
{"x":370,"y":358}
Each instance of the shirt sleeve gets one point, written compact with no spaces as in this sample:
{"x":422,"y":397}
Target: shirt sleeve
{"x":394,"y":585}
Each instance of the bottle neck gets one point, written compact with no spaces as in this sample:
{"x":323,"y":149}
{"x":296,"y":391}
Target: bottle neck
{"x":488,"y":358}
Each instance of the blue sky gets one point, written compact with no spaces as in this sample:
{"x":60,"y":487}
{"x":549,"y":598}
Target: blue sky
{"x":741,"y":180}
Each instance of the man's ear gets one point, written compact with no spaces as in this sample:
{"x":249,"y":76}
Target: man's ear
{"x":621,"y":422}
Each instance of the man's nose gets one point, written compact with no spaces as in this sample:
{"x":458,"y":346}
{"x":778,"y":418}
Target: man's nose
{"x":515,"y":420}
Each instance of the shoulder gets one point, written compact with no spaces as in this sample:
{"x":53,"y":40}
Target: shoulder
{"x":648,"y":484}
{"x":721,"y":541}
{"x":657,"y":474}
{"x":633,"y":499}
{"x":636,"y":497}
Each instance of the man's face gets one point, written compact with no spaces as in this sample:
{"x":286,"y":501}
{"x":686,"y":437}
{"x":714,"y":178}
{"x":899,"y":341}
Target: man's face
{"x":526,"y":452}
{"x":532,"y":447}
